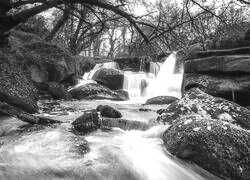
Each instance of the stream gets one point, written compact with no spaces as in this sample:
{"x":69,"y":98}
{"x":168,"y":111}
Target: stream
{"x":57,"y":153}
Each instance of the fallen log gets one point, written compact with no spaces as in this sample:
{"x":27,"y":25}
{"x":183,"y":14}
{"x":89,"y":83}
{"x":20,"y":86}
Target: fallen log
{"x":24,"y":116}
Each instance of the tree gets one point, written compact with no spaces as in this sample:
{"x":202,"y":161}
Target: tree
{"x":10,"y":20}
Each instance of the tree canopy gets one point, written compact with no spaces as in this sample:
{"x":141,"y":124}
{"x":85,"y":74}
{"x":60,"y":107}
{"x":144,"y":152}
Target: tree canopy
{"x":88,"y":25}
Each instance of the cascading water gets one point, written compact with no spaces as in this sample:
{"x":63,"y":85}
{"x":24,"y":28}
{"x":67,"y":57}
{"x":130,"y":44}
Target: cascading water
{"x":166,"y":83}
{"x":161,"y":81}
{"x":135,"y":83}
{"x":56,"y":153}
{"x":87,"y":77}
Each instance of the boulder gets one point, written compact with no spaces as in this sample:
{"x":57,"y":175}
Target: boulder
{"x":95,"y":91}
{"x":217,"y":146}
{"x":15,"y":88}
{"x":233,"y":88}
{"x":44,"y":61}
{"x":209,"y":131}
{"x":161,"y":100}
{"x":108,"y":111}
{"x":87,"y":122}
{"x":111,"y":78}
{"x":58,"y":91}
{"x":196,"y":102}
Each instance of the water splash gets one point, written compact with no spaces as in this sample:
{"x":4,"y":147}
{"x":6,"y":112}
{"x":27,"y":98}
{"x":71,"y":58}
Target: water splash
{"x":135,"y":83}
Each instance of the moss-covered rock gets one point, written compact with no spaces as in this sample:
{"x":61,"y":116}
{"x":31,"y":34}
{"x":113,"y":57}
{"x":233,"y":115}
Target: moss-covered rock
{"x":217,"y":146}
{"x":196,"y":102}
{"x":15,"y":88}
{"x":211,"y":132}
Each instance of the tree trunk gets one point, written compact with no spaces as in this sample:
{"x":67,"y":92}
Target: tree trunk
{"x":26,"y":117}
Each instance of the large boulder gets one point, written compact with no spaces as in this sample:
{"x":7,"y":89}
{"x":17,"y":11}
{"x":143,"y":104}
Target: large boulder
{"x":161,"y":100}
{"x":111,"y":78}
{"x":15,"y":88}
{"x":108,"y":111}
{"x":44,"y":61}
{"x":217,"y":146}
{"x":211,"y":132}
{"x":196,"y":102}
{"x":95,"y":91}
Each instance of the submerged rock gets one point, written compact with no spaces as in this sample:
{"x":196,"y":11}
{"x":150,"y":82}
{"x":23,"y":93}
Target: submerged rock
{"x":217,"y":146}
{"x":161,"y":100}
{"x":95,"y":91}
{"x":86,"y":123}
{"x":108,"y":111}
{"x":111,"y":78}
{"x":196,"y":102}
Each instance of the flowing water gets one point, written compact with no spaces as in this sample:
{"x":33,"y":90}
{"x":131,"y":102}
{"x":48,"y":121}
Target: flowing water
{"x":114,"y":154}
{"x":56,"y":153}
{"x":167,"y":83}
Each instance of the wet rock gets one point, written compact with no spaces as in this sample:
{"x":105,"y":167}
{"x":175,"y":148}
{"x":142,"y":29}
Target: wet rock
{"x":86,"y":123}
{"x":108,"y":111}
{"x":15,"y":88}
{"x":95,"y":91}
{"x":217,"y":146}
{"x":196,"y":102}
{"x":161,"y":100}
{"x":123,"y":93}
{"x":111,"y":78}
{"x":58,"y":91}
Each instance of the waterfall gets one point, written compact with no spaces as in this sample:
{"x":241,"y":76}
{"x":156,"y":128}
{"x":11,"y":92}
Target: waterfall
{"x":87,"y":77}
{"x":134,"y":83}
{"x":166,"y":83}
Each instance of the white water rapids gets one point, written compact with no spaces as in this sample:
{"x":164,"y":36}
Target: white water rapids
{"x":55,"y":153}
{"x":116,"y":154}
